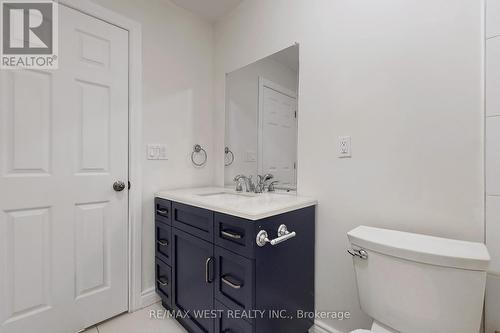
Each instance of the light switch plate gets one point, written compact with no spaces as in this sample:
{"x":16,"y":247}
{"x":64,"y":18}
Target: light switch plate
{"x":344,"y":146}
{"x":157,"y":152}
{"x":251,"y":156}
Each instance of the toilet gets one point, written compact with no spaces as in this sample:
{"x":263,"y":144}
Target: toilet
{"x":411,"y":283}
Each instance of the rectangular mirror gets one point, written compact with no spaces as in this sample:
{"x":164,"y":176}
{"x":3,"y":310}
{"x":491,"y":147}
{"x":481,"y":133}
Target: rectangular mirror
{"x":261,"y":119}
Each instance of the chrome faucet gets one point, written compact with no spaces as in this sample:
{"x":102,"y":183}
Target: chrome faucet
{"x":240,"y":180}
{"x":262,"y":184}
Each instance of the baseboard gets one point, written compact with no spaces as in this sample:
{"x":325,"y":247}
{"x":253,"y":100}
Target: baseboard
{"x":320,"y":327}
{"x":149,"y":297}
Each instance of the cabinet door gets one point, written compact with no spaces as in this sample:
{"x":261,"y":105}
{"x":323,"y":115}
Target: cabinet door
{"x":228,"y":323}
{"x":163,"y":237}
{"x":193,"y":285}
{"x":163,"y":209}
{"x":164,"y":282}
{"x":234,"y":280}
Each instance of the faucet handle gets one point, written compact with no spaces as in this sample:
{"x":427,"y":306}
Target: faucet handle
{"x":239,"y":185}
{"x":271,"y":188}
{"x":267,"y":176}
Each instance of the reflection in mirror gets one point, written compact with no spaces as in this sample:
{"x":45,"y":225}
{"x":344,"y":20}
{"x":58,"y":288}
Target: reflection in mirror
{"x":261,"y":120}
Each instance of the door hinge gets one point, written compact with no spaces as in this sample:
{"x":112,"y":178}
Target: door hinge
{"x":295,"y":114}
{"x":129,"y":185}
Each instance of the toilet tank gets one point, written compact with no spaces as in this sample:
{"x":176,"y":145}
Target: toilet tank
{"x":415,"y":283}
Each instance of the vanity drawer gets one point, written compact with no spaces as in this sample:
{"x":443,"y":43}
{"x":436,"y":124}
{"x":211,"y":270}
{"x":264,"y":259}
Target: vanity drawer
{"x":164,"y":282}
{"x":163,"y":210}
{"x":196,"y":221}
{"x":235,"y":234}
{"x":228,"y":324}
{"x":163,"y":236}
{"x":234,"y":280}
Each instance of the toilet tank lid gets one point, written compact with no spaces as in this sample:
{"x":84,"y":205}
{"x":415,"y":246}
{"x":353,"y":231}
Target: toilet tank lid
{"x":422,"y":248}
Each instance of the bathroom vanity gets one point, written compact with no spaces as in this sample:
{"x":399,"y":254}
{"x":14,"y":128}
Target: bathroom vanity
{"x":236,"y":262}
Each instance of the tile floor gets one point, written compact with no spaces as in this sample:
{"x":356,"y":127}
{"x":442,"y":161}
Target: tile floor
{"x":138,"y":322}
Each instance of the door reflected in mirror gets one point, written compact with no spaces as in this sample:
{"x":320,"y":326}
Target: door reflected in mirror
{"x":261,"y":120}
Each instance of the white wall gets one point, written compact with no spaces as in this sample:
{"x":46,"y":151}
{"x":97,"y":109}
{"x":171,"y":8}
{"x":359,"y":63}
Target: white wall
{"x":403,"y":78}
{"x":242,"y":102}
{"x":493,"y":163}
{"x":178,"y":102}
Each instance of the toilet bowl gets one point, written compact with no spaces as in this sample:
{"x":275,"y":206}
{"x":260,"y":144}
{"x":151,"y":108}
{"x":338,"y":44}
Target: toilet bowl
{"x":411,"y":283}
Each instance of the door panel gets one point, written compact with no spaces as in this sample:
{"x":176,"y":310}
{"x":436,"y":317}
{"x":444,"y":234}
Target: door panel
{"x":193,"y":288}
{"x":278,"y":154}
{"x":63,"y":142}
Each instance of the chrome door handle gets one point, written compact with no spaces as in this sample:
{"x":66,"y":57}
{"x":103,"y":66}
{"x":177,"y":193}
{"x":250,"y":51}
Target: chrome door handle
{"x":231,"y":235}
{"x":231,"y":284}
{"x":283,"y":235}
{"x":118,"y":186}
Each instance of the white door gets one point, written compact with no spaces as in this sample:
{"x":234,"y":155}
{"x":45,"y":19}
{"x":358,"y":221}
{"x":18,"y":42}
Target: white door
{"x":278,"y":133}
{"x":63,"y":143}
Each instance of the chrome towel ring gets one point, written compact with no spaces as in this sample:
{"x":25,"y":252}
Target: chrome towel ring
{"x":229,"y":158}
{"x":196,"y":150}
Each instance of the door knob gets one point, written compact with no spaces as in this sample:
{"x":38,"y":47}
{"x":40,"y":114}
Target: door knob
{"x":118,"y":186}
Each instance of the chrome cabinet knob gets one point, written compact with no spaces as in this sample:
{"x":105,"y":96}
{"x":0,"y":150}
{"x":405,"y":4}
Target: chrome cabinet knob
{"x":118,"y":186}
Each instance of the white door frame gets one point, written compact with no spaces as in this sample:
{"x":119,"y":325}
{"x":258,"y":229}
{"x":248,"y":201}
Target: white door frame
{"x":263,"y":83}
{"x":135,"y":139}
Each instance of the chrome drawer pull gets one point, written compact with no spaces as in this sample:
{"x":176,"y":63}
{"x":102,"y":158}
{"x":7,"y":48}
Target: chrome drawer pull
{"x":283,"y":235}
{"x":162,"y":212}
{"x":162,"y":283}
{"x":231,"y":284}
{"x":162,"y":242}
{"x":230,"y":235}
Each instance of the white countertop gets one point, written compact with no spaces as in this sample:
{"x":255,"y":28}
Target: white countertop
{"x":245,"y":205}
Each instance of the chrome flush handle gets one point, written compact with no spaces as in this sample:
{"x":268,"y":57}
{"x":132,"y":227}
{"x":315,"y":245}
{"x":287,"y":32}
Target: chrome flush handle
{"x":358,"y":253}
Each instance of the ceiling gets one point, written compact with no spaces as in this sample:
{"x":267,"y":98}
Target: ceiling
{"x":212,"y":10}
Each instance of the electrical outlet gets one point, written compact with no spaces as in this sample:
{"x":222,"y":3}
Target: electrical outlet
{"x":344,"y":146}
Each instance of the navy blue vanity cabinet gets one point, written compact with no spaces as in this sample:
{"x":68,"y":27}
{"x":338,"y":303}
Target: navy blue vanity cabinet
{"x":217,"y":266}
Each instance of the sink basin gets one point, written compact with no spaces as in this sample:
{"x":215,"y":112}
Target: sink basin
{"x":227,"y":195}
